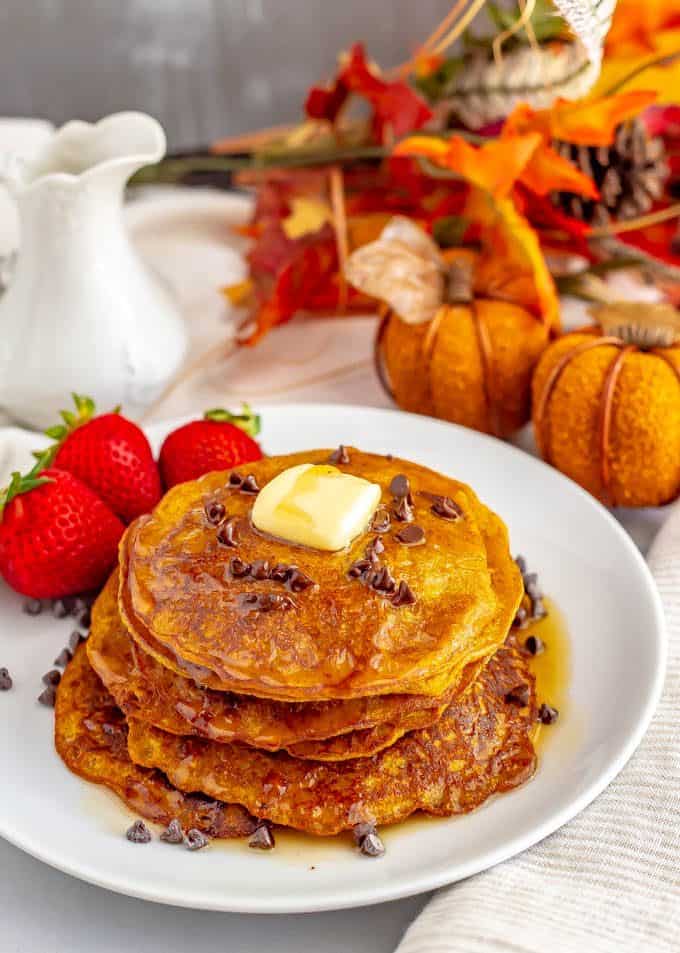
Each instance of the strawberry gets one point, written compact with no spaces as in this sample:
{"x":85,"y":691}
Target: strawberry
{"x":218,"y":442}
{"x":111,"y":455}
{"x":57,"y":538}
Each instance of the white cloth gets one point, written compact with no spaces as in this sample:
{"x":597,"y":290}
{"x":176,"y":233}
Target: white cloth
{"x":608,"y":882}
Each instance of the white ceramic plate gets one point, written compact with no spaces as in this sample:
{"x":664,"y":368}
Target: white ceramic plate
{"x":586,"y":562}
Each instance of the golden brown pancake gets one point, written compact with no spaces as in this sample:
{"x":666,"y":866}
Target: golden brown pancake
{"x":90,"y":734}
{"x":338,"y":639}
{"x":481,"y":746}
{"x":326,"y":731}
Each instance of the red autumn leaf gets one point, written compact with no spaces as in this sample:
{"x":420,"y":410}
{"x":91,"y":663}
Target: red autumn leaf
{"x":396,"y":108}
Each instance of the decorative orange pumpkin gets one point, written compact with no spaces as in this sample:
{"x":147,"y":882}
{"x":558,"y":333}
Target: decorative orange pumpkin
{"x":606,"y":405}
{"x":443,"y":347}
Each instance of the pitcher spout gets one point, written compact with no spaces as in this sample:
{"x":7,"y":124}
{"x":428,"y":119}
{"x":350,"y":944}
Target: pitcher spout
{"x":119,"y":144}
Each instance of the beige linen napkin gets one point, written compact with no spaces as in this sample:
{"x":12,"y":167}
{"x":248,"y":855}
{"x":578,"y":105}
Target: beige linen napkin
{"x":608,"y":882}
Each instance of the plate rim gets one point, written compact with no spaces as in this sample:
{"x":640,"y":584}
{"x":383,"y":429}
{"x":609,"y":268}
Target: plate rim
{"x":408,"y":885}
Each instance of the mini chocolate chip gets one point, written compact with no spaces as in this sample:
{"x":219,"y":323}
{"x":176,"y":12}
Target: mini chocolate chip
{"x":85,"y":619}
{"x":375,"y":547}
{"x":280,"y":572}
{"x":389,"y":456}
{"x":32,"y":607}
{"x":298,"y":581}
{"x":48,"y":696}
{"x":403,"y":511}
{"x":359,"y":568}
{"x":60,"y":609}
{"x":214,"y":512}
{"x":63,"y":658}
{"x":411,"y":535}
{"x":173,"y":833}
{"x":249,"y":485}
{"x":534,"y":645}
{"x":262,"y":837}
{"x":381,"y":521}
{"x":519,"y":695}
{"x":403,"y":596}
{"x":260,"y":570}
{"x":382,"y":580}
{"x":53,"y":677}
{"x":400,"y":486}
{"x":238,"y":568}
{"x":547,"y":715}
{"x":226,"y":534}
{"x":538,"y":610}
{"x":235,"y":479}
{"x":367,"y":840}
{"x":274,"y":600}
{"x":521,"y":564}
{"x":340,"y":455}
{"x":521,"y":619}
{"x":5,"y":680}
{"x":446,"y":508}
{"x":195,"y":839}
{"x":74,"y":640}
{"x":138,"y":833}
{"x":111,"y":730}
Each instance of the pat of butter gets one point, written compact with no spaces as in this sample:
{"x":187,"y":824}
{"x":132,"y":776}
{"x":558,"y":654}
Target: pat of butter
{"x":317,"y":506}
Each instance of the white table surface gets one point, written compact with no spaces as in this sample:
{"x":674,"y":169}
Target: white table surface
{"x":184,"y":235}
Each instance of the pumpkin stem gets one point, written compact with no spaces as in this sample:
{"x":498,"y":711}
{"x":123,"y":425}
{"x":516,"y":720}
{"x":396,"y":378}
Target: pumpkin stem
{"x":644,"y":324}
{"x":458,"y":277}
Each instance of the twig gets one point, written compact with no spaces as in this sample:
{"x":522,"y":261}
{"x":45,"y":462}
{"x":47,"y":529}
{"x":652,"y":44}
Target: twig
{"x":633,"y":224}
{"x":524,"y":20}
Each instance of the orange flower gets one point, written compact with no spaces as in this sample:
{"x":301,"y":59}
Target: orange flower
{"x":588,"y":122}
{"x":636,"y":25}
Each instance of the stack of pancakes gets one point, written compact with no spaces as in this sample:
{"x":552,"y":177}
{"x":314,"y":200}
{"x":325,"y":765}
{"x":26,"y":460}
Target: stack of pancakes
{"x":231,"y":677}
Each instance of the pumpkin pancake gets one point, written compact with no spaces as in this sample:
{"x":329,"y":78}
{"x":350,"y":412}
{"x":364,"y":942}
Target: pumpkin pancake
{"x":481,"y":746}
{"x":90,"y":734}
{"x":338,"y":638}
{"x":325,"y":731}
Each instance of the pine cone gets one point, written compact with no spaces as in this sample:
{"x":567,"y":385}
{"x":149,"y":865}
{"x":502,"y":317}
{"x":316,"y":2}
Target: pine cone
{"x":630,"y":175}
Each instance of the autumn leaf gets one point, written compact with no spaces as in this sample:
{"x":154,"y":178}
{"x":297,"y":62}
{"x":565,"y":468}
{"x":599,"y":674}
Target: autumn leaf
{"x":397,"y":109}
{"x":589,"y":122}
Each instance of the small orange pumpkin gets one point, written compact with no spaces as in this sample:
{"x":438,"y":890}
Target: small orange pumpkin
{"x":606,"y":405}
{"x":444,"y":348}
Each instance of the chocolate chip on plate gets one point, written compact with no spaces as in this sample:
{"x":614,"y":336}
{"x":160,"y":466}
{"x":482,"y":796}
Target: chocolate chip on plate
{"x":521,"y":619}
{"x":403,"y":511}
{"x":359,"y":568}
{"x":533,"y":645}
{"x":400,"y":486}
{"x":85,"y":619}
{"x":403,"y":596}
{"x":5,"y":680}
{"x":74,"y":640}
{"x":381,"y":521}
{"x":53,"y":677}
{"x":48,"y":697}
{"x":249,"y":485}
{"x":411,"y":535}
{"x":521,"y":564}
{"x":32,"y":606}
{"x":519,"y":695}
{"x":340,"y":455}
{"x":173,"y":833}
{"x":368,"y":840}
{"x":61,"y":609}
{"x":226,"y":534}
{"x":214,"y":512}
{"x":235,"y":479}
{"x":138,"y":833}
{"x":547,"y":715}
{"x":63,"y":658}
{"x":262,"y":837}
{"x":195,"y":839}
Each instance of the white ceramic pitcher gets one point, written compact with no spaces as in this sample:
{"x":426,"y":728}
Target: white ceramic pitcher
{"x":82,"y":312}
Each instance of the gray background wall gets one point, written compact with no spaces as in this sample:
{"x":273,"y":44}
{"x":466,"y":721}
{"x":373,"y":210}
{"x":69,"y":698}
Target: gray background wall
{"x":205,"y":68}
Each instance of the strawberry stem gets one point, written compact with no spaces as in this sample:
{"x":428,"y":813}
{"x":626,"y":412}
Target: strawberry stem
{"x":247,"y":420}
{"x":23,"y":484}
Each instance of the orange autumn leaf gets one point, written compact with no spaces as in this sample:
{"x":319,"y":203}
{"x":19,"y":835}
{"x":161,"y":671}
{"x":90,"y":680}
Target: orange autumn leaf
{"x":547,"y":171}
{"x":588,"y":122}
{"x":495,"y":166}
{"x":636,"y":25}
